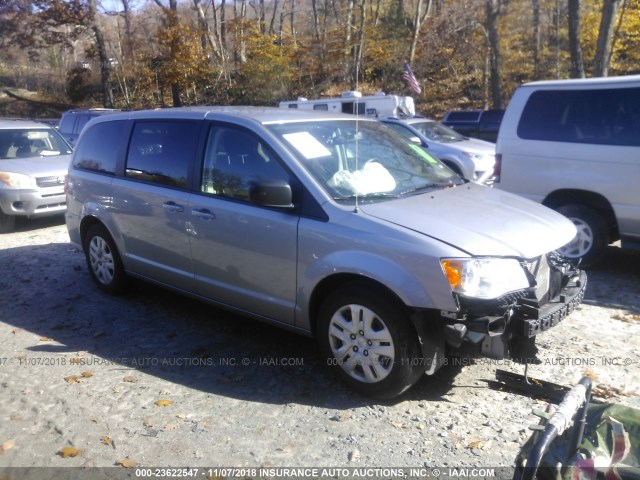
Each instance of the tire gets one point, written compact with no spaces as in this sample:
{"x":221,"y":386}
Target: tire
{"x":396,"y":363}
{"x":592,"y":237}
{"x":7,"y":223}
{"x":103,"y":260}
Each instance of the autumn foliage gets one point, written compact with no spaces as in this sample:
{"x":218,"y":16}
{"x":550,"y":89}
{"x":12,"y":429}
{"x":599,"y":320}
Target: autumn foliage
{"x":465,"y":53}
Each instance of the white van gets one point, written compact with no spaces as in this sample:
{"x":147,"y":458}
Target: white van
{"x":574,"y":145}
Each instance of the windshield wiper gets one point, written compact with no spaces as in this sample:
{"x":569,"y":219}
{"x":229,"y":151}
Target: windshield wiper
{"x":367,"y":196}
{"x":422,"y":188}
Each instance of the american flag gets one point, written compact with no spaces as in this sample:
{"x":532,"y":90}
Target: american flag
{"x":410,"y":78}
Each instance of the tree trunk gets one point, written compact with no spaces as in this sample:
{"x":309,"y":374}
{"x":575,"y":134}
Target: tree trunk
{"x":492,"y":10}
{"x":575,"y":49}
{"x":107,"y":100}
{"x":536,"y":38}
{"x":206,"y":27}
{"x":419,"y":18}
{"x":605,"y":38}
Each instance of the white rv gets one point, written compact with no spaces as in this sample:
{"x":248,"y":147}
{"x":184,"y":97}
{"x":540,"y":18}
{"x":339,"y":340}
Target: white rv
{"x":353,"y":102}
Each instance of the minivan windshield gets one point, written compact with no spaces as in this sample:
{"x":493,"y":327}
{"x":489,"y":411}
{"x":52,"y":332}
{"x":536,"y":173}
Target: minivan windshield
{"x":363,"y":159}
{"x":436,"y":132}
{"x":32,"y":142}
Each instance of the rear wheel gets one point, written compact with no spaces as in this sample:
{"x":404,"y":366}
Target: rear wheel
{"x":7,"y":222}
{"x":592,"y":237}
{"x":104,"y":260}
{"x":369,"y":342}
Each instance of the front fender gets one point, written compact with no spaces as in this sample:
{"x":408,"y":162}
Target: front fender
{"x":413,"y":290}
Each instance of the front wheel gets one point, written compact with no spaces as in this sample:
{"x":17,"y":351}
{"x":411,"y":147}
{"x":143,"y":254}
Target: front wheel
{"x":104,"y":260}
{"x":369,"y":342}
{"x":592,"y":237}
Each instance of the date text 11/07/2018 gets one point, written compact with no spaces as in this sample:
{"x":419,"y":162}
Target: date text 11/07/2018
{"x":315,"y":473}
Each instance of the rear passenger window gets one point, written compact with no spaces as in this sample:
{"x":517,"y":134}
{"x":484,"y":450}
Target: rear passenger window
{"x":234,"y":159}
{"x":161,"y":152}
{"x":91,"y":154}
{"x":603,"y":117}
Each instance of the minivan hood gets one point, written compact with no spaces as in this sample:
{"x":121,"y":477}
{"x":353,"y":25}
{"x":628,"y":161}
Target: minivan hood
{"x":479,"y":220}
{"x":37,"y":166}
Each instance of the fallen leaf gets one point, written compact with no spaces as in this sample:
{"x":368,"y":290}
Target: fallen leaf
{"x":7,"y":445}
{"x":591,"y":374}
{"x":107,"y":441}
{"x":87,"y":374}
{"x":46,"y":339}
{"x":22,"y":356}
{"x":75,"y":361}
{"x":182,"y":416}
{"x":130,"y":379}
{"x":127,"y":463}
{"x":72,"y":379}
{"x":94,"y":419}
{"x":116,"y":389}
{"x":15,"y":418}
{"x":480,"y":444}
{"x":69,"y":452}
{"x":163,"y":403}
{"x":147,"y":422}
{"x":16,"y":331}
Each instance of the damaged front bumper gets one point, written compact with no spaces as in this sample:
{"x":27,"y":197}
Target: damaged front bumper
{"x":506,"y":327}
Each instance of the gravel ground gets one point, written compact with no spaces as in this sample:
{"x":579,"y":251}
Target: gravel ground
{"x":155,"y":379}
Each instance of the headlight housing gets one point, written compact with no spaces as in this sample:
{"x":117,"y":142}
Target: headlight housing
{"x":484,"y":278}
{"x":16,"y":180}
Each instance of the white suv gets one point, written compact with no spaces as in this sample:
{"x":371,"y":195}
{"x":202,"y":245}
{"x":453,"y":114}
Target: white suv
{"x":574,"y":145}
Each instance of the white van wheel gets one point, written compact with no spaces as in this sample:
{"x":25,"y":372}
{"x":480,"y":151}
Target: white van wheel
{"x":591,"y":238}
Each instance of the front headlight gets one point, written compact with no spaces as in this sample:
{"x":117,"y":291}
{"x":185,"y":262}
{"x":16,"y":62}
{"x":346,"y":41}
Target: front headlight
{"x":16,"y":180}
{"x":484,"y":277}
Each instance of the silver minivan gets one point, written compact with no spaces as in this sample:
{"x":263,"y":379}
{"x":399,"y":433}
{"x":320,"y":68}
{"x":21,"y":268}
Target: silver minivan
{"x":329,"y":225}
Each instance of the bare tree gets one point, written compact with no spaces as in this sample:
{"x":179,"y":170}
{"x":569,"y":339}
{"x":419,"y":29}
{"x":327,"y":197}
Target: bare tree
{"x":420,"y":15}
{"x":107,"y":99}
{"x":575,"y":49}
{"x":602,"y":58}
{"x":209,"y":32}
{"x":492,"y":12}
{"x":535,"y":4}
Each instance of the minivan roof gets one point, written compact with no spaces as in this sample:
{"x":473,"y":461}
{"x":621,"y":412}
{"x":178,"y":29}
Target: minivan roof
{"x":264,"y":115}
{"x":577,"y":82}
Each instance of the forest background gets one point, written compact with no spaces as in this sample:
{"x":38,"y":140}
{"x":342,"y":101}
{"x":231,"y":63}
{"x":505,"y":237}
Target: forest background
{"x":134,"y":54}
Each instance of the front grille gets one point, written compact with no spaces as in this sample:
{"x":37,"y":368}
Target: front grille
{"x":54,"y":181}
{"x":539,"y":269}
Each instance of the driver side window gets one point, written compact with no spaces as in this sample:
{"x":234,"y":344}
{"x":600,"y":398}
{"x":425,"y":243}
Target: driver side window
{"x":235,"y":158}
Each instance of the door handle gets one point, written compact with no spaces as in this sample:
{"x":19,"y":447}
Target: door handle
{"x":203,"y":213}
{"x":173,"y":207}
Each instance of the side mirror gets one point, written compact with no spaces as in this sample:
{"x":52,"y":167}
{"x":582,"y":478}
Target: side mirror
{"x":272,"y":193}
{"x":416,"y":140}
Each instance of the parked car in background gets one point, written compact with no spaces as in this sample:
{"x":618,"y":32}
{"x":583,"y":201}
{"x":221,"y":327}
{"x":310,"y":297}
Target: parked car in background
{"x":33,"y":163}
{"x":482,"y":124}
{"x":574,"y":145}
{"x":73,"y":121}
{"x":327,"y":224}
{"x":470,"y":158}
